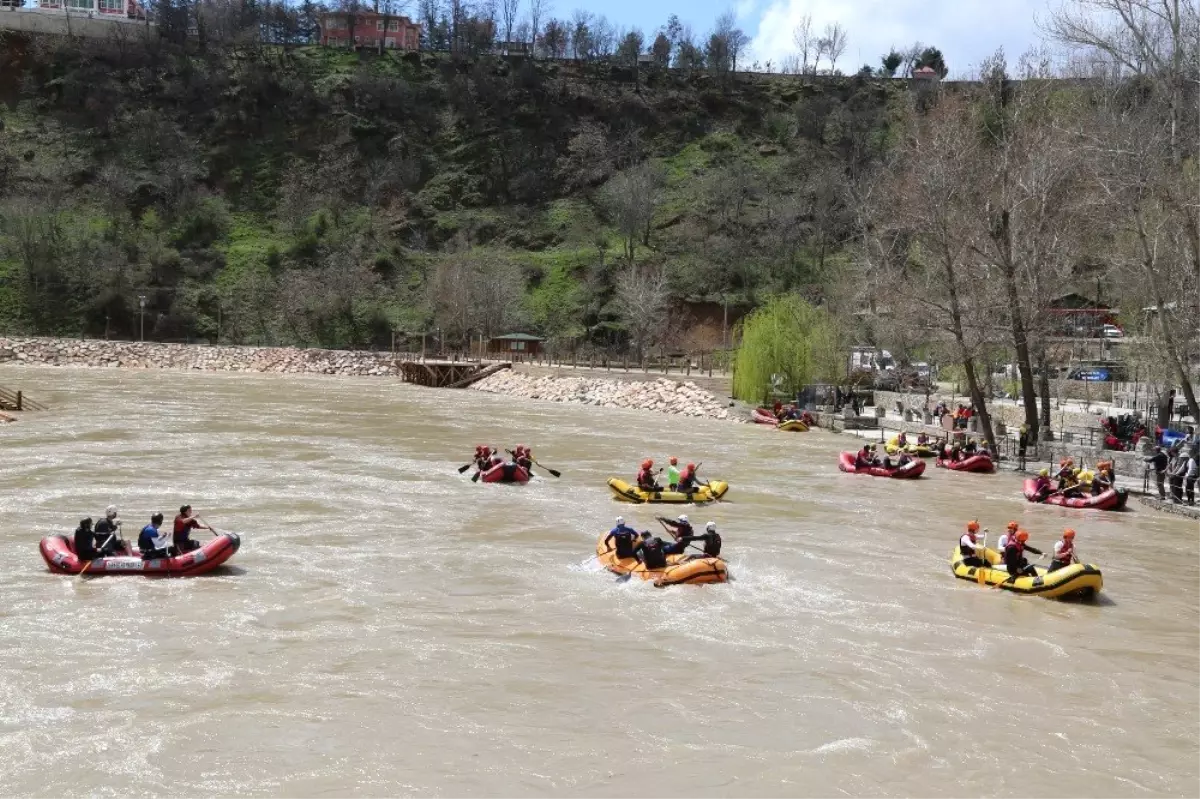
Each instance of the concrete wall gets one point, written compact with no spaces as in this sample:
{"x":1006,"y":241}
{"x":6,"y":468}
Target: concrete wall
{"x":97,"y":26}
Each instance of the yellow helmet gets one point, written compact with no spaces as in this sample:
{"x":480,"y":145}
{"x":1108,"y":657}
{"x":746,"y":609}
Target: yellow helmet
{"x":1044,"y":473}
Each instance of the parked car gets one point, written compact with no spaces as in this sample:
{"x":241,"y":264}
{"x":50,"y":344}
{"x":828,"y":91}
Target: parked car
{"x":1112,"y":331}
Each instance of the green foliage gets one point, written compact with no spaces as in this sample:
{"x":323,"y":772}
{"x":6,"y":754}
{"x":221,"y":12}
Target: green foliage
{"x":789,"y":338}
{"x":311,"y":195}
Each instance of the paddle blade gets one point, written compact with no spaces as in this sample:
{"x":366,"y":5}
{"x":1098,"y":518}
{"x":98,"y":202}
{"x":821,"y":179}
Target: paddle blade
{"x":979,"y":575}
{"x":475,"y":477}
{"x":623,"y":578}
{"x":554,"y":472}
{"x":462,"y":469}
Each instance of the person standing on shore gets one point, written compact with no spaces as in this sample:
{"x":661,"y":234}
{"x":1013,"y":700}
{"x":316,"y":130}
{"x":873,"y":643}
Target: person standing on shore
{"x":1158,"y":462}
{"x":1191,"y":476}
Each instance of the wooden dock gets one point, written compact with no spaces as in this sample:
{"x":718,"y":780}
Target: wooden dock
{"x":17,"y":401}
{"x":448,"y":374}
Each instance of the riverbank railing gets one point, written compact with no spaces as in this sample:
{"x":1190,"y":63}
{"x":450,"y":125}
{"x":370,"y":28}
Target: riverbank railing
{"x":17,"y":401}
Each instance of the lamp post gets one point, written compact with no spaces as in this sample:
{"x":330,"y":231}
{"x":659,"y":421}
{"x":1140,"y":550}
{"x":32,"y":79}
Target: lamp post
{"x":142,"y":317}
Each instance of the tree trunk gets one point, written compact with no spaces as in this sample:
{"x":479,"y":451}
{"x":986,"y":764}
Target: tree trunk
{"x":968,"y":361}
{"x":1019,"y":334}
{"x":1150,"y":264}
{"x":1044,"y":387}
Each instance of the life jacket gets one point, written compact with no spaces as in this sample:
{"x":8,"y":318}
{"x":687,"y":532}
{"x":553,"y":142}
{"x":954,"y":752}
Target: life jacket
{"x":712,"y":544}
{"x":1066,"y":553}
{"x":967,"y":550}
{"x":652,"y":553}
{"x":645,"y":479}
{"x":624,"y":543}
{"x":687,"y":480}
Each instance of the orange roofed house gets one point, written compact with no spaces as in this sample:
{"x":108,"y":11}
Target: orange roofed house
{"x":369,"y":27}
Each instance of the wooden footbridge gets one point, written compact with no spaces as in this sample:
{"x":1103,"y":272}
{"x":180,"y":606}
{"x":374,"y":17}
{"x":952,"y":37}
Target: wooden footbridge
{"x":17,"y":401}
{"x":448,"y":374}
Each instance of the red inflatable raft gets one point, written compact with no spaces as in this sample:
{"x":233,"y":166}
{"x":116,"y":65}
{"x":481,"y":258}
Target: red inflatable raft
{"x":974,"y":463}
{"x":913,"y":469}
{"x":763,"y":416}
{"x":59,"y":553}
{"x":506,"y":473}
{"x":1111,"y":499}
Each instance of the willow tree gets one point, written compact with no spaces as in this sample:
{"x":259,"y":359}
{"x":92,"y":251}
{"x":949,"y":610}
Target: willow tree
{"x":786,"y":338}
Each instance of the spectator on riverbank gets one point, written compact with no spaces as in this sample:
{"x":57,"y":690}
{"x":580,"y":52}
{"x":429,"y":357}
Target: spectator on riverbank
{"x":1176,"y":472}
{"x":1158,"y":462}
{"x":1191,"y":476}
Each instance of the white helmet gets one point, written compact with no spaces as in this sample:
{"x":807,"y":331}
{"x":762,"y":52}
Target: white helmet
{"x":620,"y":520}
{"x":711,"y":527}
{"x":683,"y":518}
{"x":110,"y":511}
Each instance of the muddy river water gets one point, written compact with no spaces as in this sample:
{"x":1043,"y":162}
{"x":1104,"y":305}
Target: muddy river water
{"x":389,"y":628}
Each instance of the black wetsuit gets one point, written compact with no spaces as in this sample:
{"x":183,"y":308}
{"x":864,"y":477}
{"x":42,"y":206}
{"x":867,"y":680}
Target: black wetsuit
{"x":85,"y":544}
{"x":652,"y":553}
{"x":1014,"y":560}
{"x":104,"y":531}
{"x":623,"y":538}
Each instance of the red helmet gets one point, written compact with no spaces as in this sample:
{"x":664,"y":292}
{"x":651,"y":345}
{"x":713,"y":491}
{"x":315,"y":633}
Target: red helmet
{"x":1068,"y":533}
{"x":972,"y":526}
{"x":646,"y":464}
{"x":1022,"y":536}
{"x":691,"y":467}
{"x":1012,"y":527}
{"x":674,"y":460}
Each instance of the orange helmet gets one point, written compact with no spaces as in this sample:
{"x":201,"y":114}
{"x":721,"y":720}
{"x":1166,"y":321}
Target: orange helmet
{"x":972,"y":526}
{"x":1068,"y":533}
{"x":646,"y":464}
{"x":691,"y":467}
{"x":1022,"y":536}
{"x":1012,"y":527}
{"x":674,"y":460}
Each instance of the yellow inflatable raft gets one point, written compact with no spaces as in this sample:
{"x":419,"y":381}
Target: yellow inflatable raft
{"x":1076,"y":580}
{"x":680,"y":569}
{"x":920,"y":450}
{"x":793,"y":425}
{"x":631,"y":493}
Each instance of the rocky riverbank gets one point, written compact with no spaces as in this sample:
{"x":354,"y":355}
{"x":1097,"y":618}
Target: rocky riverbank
{"x":149,"y":355}
{"x":663,"y":396}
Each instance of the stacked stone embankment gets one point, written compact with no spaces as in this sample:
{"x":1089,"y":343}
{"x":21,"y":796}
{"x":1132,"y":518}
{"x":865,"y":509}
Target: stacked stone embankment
{"x":664,"y":396}
{"x":150,"y":355}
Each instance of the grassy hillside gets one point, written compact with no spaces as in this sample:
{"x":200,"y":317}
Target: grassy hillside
{"x":322,"y":197}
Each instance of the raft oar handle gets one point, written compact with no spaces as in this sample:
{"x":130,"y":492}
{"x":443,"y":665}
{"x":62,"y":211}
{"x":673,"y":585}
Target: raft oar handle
{"x":552,"y":472}
{"x":88,"y":565}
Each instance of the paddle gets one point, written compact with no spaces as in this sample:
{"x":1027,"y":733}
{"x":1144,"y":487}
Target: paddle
{"x":475,"y":477}
{"x":211,"y":529}
{"x":464,"y":467}
{"x":979,"y":578}
{"x":88,"y":565}
{"x":535,"y":463}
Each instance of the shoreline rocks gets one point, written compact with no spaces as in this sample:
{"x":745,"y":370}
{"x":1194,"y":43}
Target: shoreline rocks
{"x":662,"y":395}
{"x":99,"y":354}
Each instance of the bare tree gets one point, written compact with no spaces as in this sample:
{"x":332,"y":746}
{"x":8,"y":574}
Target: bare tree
{"x":805,"y":41}
{"x":920,"y":232}
{"x":835,"y":43}
{"x":538,"y":10}
{"x":509,"y":9}
{"x":631,"y":199}
{"x":642,"y":297}
{"x":1157,"y":42}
